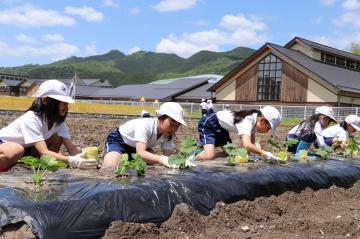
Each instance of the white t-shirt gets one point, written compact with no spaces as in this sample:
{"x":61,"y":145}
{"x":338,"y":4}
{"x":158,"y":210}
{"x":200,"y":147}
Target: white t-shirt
{"x":30,"y":128}
{"x":144,"y":130}
{"x":244,"y":127}
{"x":203,"y":105}
{"x":336,"y":131}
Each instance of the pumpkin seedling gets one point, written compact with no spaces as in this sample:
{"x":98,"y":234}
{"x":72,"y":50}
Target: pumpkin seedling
{"x":236,"y":155}
{"x":187,"y":147}
{"x":136,"y":163}
{"x":352,"y":148}
{"x":324,"y":152}
{"x":42,"y":166}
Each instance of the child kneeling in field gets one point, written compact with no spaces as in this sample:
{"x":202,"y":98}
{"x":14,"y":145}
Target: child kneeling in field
{"x":214,"y":130}
{"x":311,"y":130}
{"x":42,"y":130}
{"x":341,"y":132}
{"x":138,"y":135}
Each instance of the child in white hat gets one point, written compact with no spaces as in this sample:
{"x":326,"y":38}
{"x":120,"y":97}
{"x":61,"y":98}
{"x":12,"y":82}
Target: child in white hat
{"x":42,"y":130}
{"x":138,"y":135}
{"x":214,"y":130}
{"x":311,"y":130}
{"x":204,"y":108}
{"x":341,"y":132}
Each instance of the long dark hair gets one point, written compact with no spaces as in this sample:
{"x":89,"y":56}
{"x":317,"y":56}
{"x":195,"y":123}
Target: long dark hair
{"x":50,"y":110}
{"x":240,"y":115}
{"x":307,"y":126}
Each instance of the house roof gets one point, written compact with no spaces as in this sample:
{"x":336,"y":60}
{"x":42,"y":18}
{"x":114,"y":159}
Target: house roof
{"x":343,"y":78}
{"x":197,"y":93}
{"x":153,"y":91}
{"x":12,"y":82}
{"x":322,"y":47}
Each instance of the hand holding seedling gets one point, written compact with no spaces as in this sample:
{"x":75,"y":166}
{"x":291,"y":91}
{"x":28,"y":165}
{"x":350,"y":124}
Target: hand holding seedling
{"x":181,"y":159}
{"x":79,"y":161}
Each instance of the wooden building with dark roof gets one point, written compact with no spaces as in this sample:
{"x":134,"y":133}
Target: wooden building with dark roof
{"x":302,"y":72}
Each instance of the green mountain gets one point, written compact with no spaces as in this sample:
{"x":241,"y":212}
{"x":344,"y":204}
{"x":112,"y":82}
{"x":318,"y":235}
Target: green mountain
{"x":139,"y":67}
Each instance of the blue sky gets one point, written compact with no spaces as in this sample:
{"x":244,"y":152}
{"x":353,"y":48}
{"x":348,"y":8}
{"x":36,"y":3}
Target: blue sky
{"x":43,"y":31}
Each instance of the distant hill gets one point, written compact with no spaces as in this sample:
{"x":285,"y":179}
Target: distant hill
{"x":139,"y":67}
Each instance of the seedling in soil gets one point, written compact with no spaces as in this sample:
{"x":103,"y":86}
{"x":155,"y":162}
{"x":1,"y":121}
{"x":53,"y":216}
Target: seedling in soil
{"x":284,"y":153}
{"x":352,"y":148}
{"x":136,"y":163}
{"x":187,"y":147}
{"x":42,"y":166}
{"x":324,"y":152}
{"x":236,"y":155}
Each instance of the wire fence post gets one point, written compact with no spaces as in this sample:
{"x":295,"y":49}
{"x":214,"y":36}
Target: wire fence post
{"x":356,"y":110}
{"x":281,"y":111}
{"x":305,"y":112}
{"x":191,"y":108}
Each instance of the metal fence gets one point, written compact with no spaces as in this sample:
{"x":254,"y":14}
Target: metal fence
{"x":301,"y":112}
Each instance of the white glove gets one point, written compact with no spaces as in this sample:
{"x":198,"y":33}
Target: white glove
{"x":189,"y":164}
{"x":164,"y":160}
{"x":270,"y":157}
{"x":78,"y":161}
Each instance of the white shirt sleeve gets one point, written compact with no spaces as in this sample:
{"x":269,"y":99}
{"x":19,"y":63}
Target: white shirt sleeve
{"x":63,"y":131}
{"x":318,"y":132}
{"x":31,"y":129}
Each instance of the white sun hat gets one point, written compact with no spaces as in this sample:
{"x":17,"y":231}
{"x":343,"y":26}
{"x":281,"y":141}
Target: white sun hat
{"x":272,"y":115}
{"x":54,"y":89}
{"x":354,"y":121}
{"x":173,"y":110}
{"x":327,"y":111}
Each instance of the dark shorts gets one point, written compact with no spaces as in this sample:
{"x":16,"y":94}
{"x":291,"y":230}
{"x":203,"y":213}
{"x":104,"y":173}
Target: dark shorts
{"x":115,"y":143}
{"x":328,"y":142}
{"x":1,"y":142}
{"x":210,"y":131}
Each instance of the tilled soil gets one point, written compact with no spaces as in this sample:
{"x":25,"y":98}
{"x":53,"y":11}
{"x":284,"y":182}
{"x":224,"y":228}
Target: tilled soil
{"x":328,"y":213}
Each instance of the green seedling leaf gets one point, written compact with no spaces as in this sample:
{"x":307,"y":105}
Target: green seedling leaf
{"x":329,"y":149}
{"x":136,"y":163}
{"x":41,"y":166}
{"x":290,"y":142}
{"x":188,"y":145}
{"x":322,"y":153}
{"x":177,"y":159}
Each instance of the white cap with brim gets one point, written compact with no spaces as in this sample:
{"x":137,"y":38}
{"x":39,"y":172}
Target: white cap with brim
{"x":173,"y":110}
{"x":327,"y":111}
{"x":354,"y":121}
{"x":54,"y":89}
{"x":272,"y":115}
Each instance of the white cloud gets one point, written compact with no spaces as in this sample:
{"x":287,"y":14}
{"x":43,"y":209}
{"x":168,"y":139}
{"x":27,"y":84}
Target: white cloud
{"x":133,"y":50}
{"x":237,"y":31}
{"x":90,"y":49}
{"x":87,"y":13}
{"x":348,"y":19}
{"x":31,"y":16}
{"x":339,"y":41}
{"x":109,"y":3}
{"x":53,"y":37}
{"x":327,"y":2}
{"x":134,"y":10}
{"x":232,"y":22}
{"x":22,"y":38}
{"x":53,"y":51}
{"x":174,"y":5}
{"x":350,"y":4}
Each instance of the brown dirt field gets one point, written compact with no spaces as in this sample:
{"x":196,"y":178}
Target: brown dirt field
{"x":327,"y":213}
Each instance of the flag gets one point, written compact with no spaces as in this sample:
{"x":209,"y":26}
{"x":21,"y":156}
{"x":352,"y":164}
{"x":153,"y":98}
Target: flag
{"x":72,"y":86}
